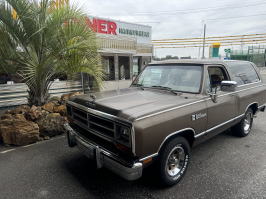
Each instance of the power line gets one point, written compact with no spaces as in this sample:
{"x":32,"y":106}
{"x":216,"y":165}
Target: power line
{"x":189,"y":11}
{"x":196,"y":38}
{"x":252,"y":43}
{"x":236,"y":17}
{"x":227,"y":44}
{"x":212,"y":41}
{"x":222,"y":44}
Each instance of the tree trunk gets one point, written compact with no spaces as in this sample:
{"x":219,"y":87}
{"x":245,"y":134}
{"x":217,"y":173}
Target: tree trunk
{"x":38,"y":94}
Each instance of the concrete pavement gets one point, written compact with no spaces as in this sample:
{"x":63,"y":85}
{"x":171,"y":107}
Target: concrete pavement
{"x":223,"y":167}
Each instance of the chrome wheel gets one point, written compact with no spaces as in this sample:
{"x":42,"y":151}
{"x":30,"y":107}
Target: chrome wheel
{"x":248,"y":122}
{"x":243,"y":128}
{"x":175,"y":161}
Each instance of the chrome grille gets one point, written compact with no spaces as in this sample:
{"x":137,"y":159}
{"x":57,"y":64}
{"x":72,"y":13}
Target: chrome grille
{"x":93,"y":123}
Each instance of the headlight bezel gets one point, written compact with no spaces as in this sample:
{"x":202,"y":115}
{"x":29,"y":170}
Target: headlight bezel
{"x":123,"y":134}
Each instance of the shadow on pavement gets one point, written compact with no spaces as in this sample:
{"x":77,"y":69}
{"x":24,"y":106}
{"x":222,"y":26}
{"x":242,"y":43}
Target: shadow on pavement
{"x":107,"y":184}
{"x":103,"y":182}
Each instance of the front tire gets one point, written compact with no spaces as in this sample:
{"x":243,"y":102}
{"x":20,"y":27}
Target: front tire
{"x":173,"y":161}
{"x":243,"y":128}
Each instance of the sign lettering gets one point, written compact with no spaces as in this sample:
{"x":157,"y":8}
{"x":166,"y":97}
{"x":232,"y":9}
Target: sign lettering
{"x":102,"y":26}
{"x":140,"y":33}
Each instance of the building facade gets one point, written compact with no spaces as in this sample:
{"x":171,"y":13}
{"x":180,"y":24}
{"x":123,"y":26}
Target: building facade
{"x":125,"y":47}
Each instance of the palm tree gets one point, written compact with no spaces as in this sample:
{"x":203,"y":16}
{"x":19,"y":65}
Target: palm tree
{"x":40,"y":42}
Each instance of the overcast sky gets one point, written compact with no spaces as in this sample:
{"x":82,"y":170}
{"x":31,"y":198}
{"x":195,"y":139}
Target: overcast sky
{"x":184,"y":18}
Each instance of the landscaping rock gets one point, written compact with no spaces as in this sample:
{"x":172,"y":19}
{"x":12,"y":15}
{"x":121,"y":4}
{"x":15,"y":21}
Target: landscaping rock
{"x":55,"y":99}
{"x":35,"y":113}
{"x":49,"y":107}
{"x":19,"y":117}
{"x":8,"y":112}
{"x":19,"y":110}
{"x":61,"y":110}
{"x":18,"y":131}
{"x":25,"y":125}
{"x":66,"y":97}
{"x":51,"y":124}
{"x":6,"y":116}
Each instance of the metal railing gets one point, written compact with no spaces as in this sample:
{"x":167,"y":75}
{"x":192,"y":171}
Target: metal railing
{"x":16,"y":94}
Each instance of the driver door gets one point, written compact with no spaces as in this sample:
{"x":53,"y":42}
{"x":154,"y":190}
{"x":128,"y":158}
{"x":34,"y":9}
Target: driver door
{"x":220,"y":112}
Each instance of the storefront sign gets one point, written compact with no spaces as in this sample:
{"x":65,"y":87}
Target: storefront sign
{"x":111,"y":27}
{"x":102,"y":26}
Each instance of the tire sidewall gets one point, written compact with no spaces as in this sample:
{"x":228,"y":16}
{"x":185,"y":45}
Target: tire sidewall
{"x":166,"y":178}
{"x":243,"y":122}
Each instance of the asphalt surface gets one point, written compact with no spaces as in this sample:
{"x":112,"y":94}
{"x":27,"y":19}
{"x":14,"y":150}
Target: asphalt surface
{"x":223,"y":167}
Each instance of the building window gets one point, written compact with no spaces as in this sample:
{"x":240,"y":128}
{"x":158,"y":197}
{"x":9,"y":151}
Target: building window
{"x":124,"y":68}
{"x":109,"y":68}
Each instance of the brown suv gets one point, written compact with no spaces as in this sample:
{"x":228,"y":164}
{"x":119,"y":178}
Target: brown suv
{"x":170,"y":107}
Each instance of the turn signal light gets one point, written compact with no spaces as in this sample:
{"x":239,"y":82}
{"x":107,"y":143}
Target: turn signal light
{"x":147,"y":161}
{"x":121,"y":147}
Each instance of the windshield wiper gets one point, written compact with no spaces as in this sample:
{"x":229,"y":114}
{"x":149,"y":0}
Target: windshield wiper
{"x":167,"y":88}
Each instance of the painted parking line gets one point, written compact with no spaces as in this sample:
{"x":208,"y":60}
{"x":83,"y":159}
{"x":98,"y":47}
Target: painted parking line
{"x":28,"y":145}
{"x":6,"y":151}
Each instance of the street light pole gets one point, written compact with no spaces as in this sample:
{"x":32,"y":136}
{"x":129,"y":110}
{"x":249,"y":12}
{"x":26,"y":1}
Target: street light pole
{"x":204,"y":38}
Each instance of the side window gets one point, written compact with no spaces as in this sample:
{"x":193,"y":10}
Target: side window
{"x":243,"y":73}
{"x":216,"y":76}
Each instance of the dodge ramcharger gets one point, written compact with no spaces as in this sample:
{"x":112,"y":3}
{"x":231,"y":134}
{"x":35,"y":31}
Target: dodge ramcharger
{"x":170,"y":107}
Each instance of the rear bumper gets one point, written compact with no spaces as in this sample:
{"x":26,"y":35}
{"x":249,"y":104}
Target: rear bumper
{"x":102,"y":157}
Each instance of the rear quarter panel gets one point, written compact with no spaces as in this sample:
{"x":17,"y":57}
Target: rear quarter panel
{"x":250,"y":94}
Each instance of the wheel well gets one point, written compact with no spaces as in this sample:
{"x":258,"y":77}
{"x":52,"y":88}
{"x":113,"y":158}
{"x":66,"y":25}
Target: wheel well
{"x":254,"y":107}
{"x":187,"y":134}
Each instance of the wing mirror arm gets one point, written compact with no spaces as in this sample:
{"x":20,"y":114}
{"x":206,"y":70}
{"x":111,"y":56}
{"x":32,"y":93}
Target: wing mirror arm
{"x":213,"y":94}
{"x":226,"y":86}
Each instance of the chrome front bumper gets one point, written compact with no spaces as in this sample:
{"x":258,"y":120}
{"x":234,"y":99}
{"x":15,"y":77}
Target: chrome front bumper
{"x":103,"y":158}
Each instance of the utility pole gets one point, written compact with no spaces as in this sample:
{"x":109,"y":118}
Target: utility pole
{"x":204,"y":38}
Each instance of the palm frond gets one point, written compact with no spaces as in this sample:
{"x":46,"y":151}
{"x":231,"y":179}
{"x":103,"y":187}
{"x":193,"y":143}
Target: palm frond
{"x":42,"y":41}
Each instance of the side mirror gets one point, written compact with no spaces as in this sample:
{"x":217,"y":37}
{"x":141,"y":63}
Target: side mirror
{"x":228,"y":86}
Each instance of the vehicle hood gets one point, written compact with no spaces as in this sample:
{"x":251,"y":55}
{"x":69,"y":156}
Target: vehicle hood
{"x":133,"y":103}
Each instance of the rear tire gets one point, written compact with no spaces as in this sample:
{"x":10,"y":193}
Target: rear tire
{"x":243,"y":128}
{"x":173,"y":161}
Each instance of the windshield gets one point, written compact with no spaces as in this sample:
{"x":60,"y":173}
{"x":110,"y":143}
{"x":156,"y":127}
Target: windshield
{"x":182,"y":78}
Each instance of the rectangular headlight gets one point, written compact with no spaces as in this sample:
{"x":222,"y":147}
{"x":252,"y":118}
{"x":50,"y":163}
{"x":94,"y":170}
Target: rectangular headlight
{"x":123,"y":134}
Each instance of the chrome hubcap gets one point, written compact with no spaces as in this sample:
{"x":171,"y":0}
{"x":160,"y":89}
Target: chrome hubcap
{"x":247,"y":123}
{"x":175,"y":161}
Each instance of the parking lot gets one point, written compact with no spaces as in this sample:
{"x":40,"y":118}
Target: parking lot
{"x":223,"y":167}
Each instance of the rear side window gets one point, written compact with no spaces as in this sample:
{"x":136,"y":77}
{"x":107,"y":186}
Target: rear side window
{"x":243,"y":73}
